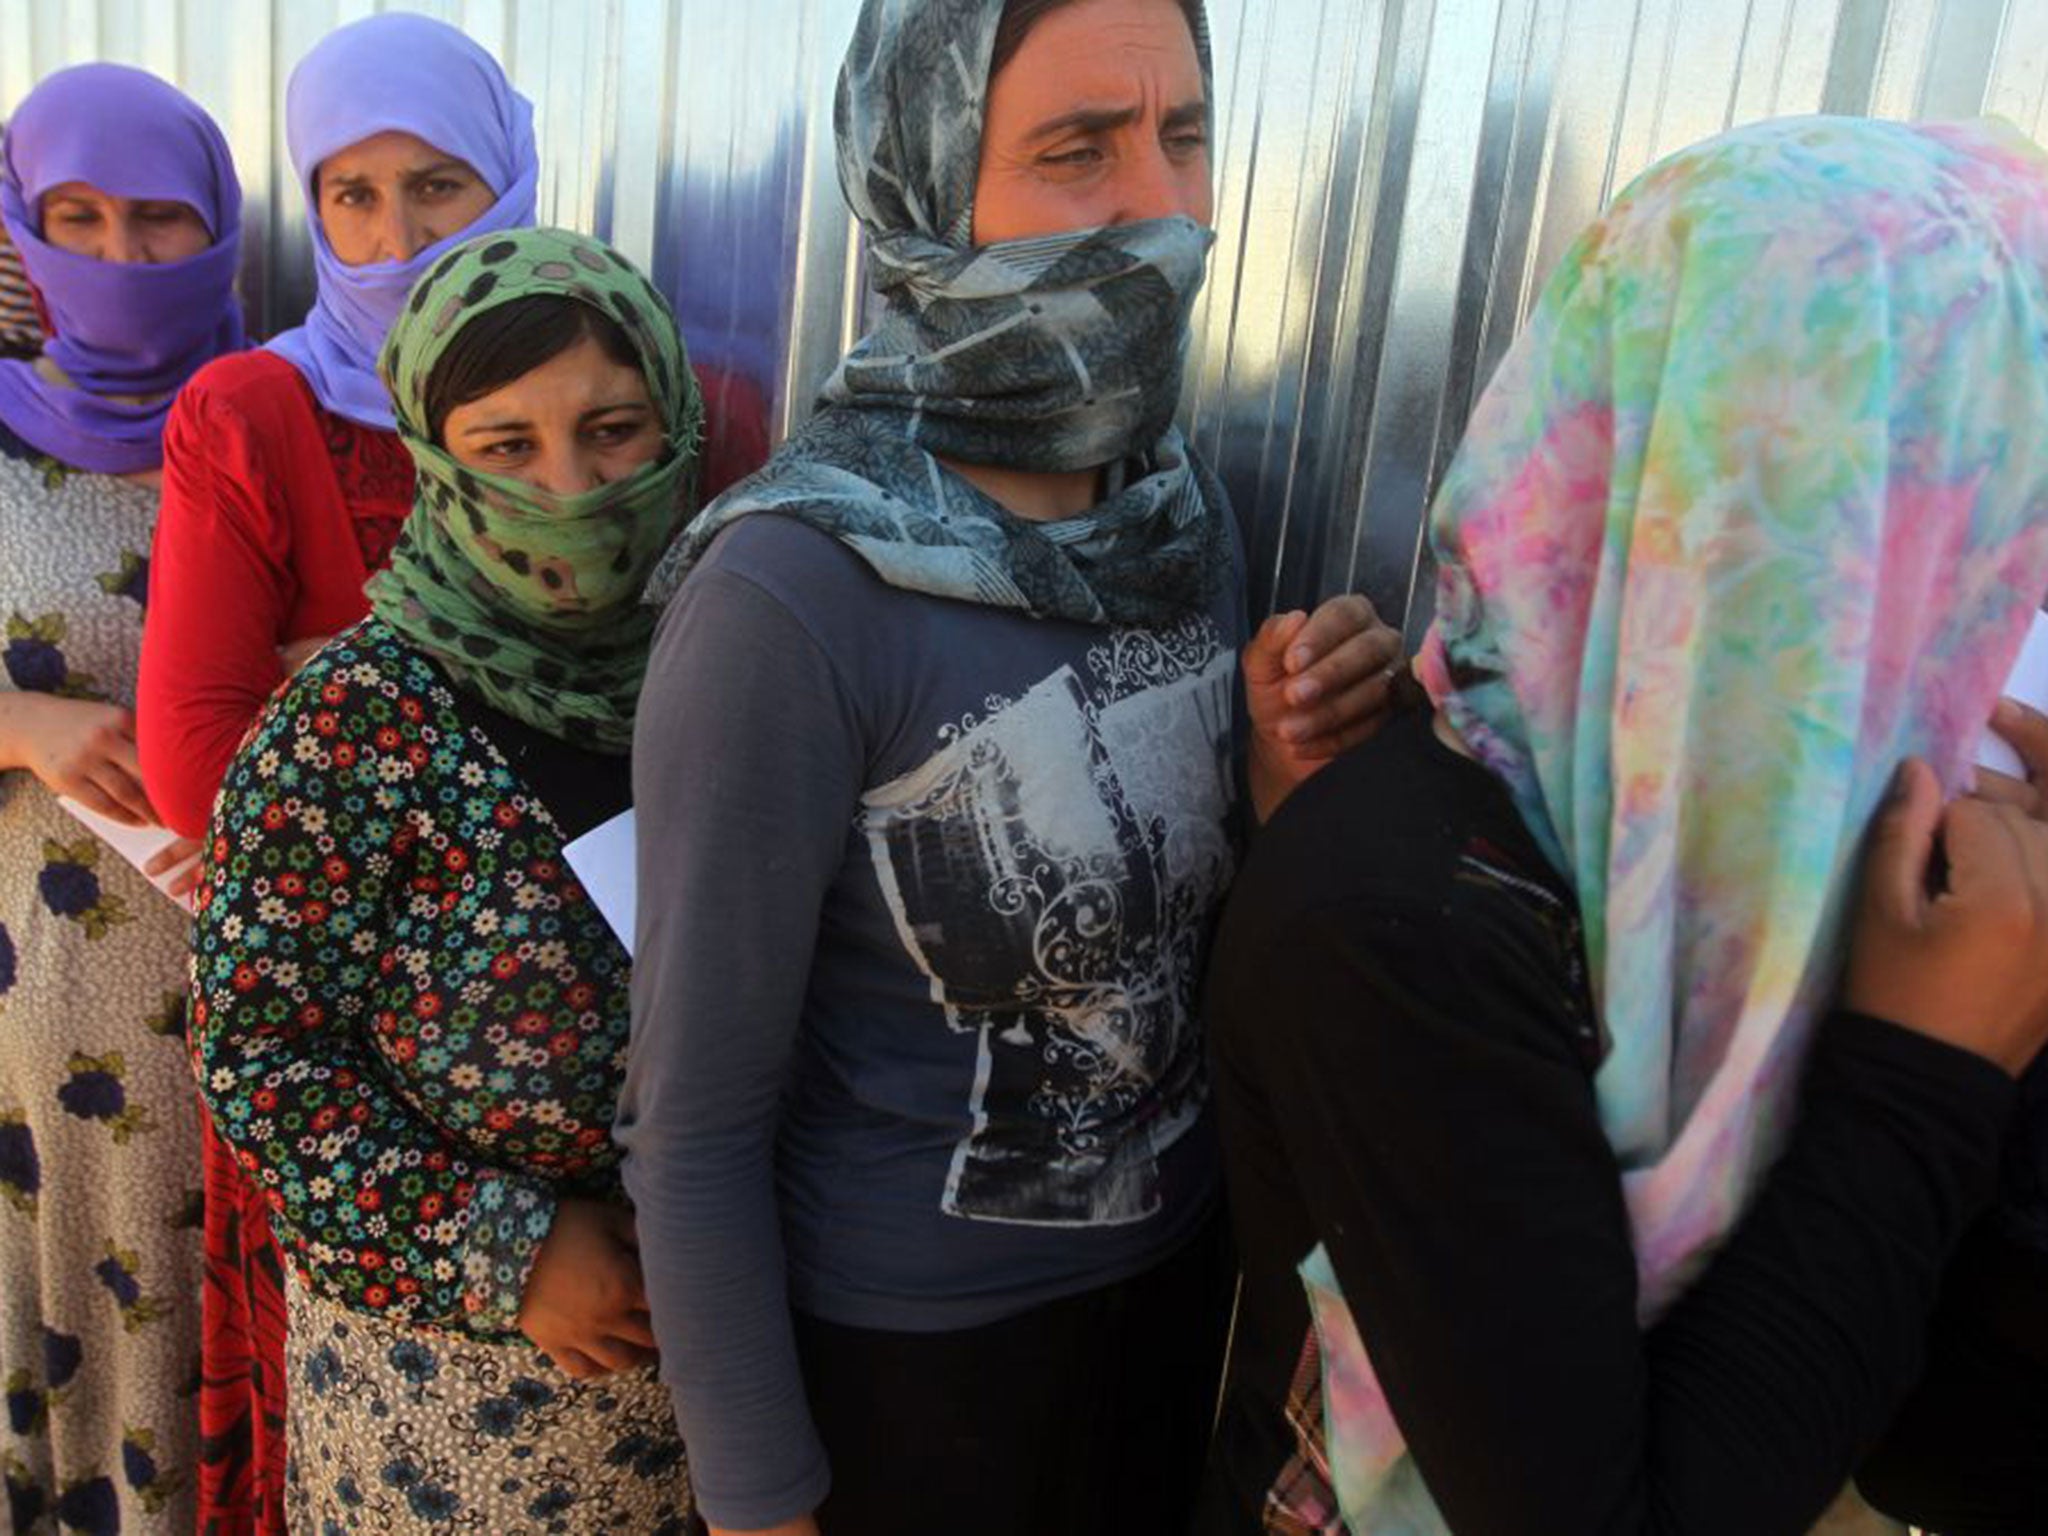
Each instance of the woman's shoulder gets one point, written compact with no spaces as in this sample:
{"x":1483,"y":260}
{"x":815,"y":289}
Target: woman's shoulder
{"x":365,"y":679}
{"x":817,"y":580}
{"x":255,"y":396}
{"x":1402,"y":844}
{"x":1397,"y":899}
{"x":772,"y":549}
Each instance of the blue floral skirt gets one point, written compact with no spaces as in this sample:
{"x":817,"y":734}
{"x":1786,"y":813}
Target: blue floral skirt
{"x":408,"y":1429}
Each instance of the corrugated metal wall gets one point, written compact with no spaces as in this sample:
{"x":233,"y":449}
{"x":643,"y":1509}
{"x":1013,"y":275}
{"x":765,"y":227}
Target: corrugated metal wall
{"x":1396,"y":178}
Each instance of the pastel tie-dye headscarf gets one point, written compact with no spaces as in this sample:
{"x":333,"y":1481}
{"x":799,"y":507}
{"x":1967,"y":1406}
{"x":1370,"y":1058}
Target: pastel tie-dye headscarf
{"x":1755,"y":508}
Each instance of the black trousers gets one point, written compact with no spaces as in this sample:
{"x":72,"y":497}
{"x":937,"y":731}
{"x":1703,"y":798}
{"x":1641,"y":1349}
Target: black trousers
{"x":1968,"y":1453}
{"x":1084,"y":1417}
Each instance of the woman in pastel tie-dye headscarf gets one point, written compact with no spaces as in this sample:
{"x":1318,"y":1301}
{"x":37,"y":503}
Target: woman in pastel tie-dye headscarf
{"x":1617,"y":1203}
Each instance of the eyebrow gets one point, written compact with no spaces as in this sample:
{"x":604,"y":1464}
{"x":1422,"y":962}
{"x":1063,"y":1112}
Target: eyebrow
{"x":1106,"y":119}
{"x":439,"y":167}
{"x":489,"y":428}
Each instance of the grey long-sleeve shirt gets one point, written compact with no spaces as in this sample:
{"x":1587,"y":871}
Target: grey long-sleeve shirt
{"x":924,"y":890}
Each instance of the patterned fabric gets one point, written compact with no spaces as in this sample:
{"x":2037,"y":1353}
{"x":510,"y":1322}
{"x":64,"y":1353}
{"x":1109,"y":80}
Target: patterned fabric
{"x":529,"y":598}
{"x":21,"y":328}
{"x":99,"y":1196}
{"x":241,"y":1358}
{"x":402,"y":996}
{"x":241,"y":1389}
{"x":410,"y":1021}
{"x":1302,"y":1501}
{"x":407,"y":74}
{"x":406,"y":1429}
{"x":1751,"y":512}
{"x":1057,"y":353}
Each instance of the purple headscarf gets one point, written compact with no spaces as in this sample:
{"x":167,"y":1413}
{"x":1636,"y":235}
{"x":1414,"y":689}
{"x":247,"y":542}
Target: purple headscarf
{"x":119,"y":328}
{"x":408,"y":74}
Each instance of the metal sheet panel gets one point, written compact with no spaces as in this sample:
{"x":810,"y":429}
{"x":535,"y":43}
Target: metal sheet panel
{"x":1395,"y":180}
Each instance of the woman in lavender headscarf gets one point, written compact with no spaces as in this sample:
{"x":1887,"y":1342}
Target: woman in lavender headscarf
{"x":120,"y":195}
{"x":285,"y":486}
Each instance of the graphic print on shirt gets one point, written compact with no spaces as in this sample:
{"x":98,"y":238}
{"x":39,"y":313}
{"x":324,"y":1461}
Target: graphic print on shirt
{"x":1052,"y":869}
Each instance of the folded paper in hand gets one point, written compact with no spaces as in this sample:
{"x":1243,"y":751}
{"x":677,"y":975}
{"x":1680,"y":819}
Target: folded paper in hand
{"x":138,"y":845}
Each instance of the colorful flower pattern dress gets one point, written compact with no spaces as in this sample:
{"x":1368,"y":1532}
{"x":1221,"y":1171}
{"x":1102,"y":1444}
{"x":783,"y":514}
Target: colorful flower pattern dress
{"x":99,"y":1161}
{"x":410,"y":1023}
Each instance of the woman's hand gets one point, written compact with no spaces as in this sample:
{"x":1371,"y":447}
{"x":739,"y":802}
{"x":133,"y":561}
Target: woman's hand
{"x":2026,"y":732}
{"x":296,"y":654}
{"x":585,"y":1303}
{"x":1316,"y":684}
{"x":77,"y":747}
{"x":808,"y":1526}
{"x":1951,"y":929}
{"x":179,"y":851}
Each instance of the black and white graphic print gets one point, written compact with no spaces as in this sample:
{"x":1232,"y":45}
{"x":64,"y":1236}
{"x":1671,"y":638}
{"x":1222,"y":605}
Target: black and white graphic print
{"x":1053,"y":870}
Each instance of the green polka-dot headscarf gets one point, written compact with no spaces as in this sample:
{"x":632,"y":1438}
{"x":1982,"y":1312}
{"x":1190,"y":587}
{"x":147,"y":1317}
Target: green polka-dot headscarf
{"x":528,"y":598}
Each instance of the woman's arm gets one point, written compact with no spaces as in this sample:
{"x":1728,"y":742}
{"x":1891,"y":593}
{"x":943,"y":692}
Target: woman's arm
{"x":747,"y":769}
{"x":76,"y":747}
{"x":1432,"y":1108}
{"x":220,"y":590}
{"x":298,"y":961}
{"x":1454,"y":1166}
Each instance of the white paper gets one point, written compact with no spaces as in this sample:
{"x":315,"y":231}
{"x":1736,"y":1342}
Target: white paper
{"x":138,"y":845}
{"x":2029,"y":684}
{"x":603,"y":861}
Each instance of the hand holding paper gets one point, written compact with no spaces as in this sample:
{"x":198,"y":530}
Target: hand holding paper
{"x":140,"y":847}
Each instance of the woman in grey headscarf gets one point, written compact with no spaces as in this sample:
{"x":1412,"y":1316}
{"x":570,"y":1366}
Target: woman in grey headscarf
{"x":915,"y":1115}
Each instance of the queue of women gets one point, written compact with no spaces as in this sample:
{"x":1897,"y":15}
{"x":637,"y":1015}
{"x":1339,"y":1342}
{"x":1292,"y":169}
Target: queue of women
{"x":1583,"y":1074}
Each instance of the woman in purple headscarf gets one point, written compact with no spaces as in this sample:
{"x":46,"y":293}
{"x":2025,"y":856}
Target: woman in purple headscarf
{"x":121,"y":198}
{"x":284,"y":489}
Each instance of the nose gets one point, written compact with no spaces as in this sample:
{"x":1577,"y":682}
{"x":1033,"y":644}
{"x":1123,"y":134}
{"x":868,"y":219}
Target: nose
{"x":566,"y":469}
{"x":122,"y":242}
{"x":1155,"y":187}
{"x":400,"y":235}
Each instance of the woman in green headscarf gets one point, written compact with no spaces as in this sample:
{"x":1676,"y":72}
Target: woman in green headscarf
{"x":409,"y":1018}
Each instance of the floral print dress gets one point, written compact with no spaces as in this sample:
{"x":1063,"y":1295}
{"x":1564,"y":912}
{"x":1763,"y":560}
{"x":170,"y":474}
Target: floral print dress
{"x":99,"y":1161}
{"x":410,"y":1024}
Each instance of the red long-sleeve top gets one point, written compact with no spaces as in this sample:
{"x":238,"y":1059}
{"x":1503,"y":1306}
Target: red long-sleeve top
{"x":275,"y":512}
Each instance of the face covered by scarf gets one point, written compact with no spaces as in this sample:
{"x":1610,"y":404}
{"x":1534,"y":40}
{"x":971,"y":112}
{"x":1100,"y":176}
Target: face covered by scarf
{"x":1755,"y":508}
{"x":531,"y":599}
{"x":126,"y":334}
{"x":1058,"y":353}
{"x":394,"y":72}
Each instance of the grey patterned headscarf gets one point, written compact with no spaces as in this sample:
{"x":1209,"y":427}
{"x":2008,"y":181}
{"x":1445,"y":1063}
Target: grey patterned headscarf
{"x":1056,"y":353}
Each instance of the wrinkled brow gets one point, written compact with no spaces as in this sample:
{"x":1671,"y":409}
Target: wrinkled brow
{"x":1090,"y":120}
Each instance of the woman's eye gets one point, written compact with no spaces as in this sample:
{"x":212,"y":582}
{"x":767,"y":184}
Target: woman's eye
{"x":352,"y":197}
{"x":612,"y":433}
{"x":442,"y":187}
{"x":508,"y":448}
{"x":1190,"y":143}
{"x":1087,"y":154}
{"x":79,"y":217}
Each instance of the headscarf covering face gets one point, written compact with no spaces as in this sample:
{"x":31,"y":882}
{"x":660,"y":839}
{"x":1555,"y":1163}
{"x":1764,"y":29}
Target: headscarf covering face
{"x":387,"y":73}
{"x":531,"y":599}
{"x":120,"y":330}
{"x":1755,"y":508}
{"x":1058,"y":353}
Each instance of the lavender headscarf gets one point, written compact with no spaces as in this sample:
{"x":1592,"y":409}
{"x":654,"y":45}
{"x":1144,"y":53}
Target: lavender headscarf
{"x":408,"y":74}
{"x":119,"y":328}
